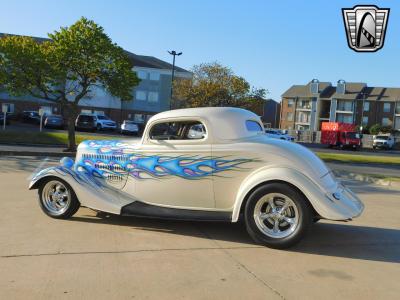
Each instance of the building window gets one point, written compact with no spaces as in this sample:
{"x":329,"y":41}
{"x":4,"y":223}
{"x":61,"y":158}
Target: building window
{"x":344,"y":105}
{"x":397,"y":123}
{"x":139,"y":118}
{"x":10,"y":107}
{"x":153,"y":97}
{"x":303,"y":117}
{"x":142,"y":74}
{"x":366,"y":106}
{"x":344,"y":118}
{"x":141,"y":95}
{"x":86,"y":111}
{"x":289,"y":116}
{"x":386,"y":107}
{"x":398,"y":108}
{"x":99,"y":112}
{"x":304,"y":104}
{"x":154,"y":76}
{"x":290,"y":103}
{"x":386,"y":122}
{"x":365,"y":120}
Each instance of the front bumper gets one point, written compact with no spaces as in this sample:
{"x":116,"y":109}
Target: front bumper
{"x":108,"y":126}
{"x":345,"y":204}
{"x":129,"y":130}
{"x":381,"y":145}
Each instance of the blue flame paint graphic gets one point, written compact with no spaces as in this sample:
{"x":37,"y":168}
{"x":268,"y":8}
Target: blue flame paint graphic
{"x":117,"y":158}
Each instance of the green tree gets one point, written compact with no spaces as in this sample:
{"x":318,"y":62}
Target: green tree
{"x":375,"y":129}
{"x":213,"y":84}
{"x":77,"y":60}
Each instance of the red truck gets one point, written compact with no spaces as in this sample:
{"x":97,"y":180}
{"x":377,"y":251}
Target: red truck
{"x":342,"y":135}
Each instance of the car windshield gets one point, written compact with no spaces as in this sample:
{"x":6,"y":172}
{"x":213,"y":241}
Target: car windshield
{"x":352,"y":135}
{"x":54,"y":117}
{"x":83,"y":118}
{"x":129,"y":122}
{"x":382,"y":137}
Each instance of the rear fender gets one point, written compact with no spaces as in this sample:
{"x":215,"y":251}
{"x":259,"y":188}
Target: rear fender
{"x":316,"y":195}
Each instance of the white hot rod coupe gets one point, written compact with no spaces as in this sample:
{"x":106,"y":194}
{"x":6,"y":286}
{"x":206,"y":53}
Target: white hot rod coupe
{"x":202,"y":164}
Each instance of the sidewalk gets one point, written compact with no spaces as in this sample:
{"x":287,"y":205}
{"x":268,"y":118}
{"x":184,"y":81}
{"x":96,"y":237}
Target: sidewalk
{"x":34,"y":150}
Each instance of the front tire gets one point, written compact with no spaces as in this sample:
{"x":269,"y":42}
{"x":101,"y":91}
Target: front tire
{"x":57,"y":199}
{"x":277,"y":215}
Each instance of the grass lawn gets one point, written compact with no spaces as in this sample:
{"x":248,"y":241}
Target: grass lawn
{"x":61,"y":138}
{"x":47,"y":138}
{"x":356,"y":158}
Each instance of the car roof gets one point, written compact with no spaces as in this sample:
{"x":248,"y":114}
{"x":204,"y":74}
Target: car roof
{"x":226,"y":122}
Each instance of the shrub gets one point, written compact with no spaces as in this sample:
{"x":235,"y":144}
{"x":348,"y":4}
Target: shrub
{"x":375,"y":129}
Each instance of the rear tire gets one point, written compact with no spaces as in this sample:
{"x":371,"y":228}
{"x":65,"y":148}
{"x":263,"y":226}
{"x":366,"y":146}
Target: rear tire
{"x":57,"y":199}
{"x":277,"y":215}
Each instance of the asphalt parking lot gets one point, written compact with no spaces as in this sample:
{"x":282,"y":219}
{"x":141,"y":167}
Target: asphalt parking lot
{"x":97,"y":256}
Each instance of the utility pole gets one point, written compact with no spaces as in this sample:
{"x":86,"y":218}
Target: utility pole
{"x":173,"y":53}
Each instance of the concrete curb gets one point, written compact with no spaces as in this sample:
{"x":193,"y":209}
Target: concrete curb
{"x":366,"y":178}
{"x":35,"y":153}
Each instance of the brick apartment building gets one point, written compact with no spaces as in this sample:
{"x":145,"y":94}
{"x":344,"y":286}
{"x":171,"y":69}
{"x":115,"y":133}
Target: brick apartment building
{"x":151,"y":96}
{"x":305,"y":107}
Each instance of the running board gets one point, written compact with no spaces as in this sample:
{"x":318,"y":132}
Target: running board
{"x":140,"y":209}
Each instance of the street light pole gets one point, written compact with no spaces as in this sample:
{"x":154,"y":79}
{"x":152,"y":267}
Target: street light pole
{"x":362,"y":109}
{"x":173,"y":53}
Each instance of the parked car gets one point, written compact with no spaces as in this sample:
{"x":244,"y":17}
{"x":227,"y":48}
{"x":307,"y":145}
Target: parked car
{"x":342,"y":135}
{"x":30,"y":117}
{"x":104,"y":122}
{"x":383,"y":141}
{"x":129,"y":127}
{"x":231,"y":171}
{"x":54,"y":121}
{"x":277,"y":134}
{"x":86,"y":122}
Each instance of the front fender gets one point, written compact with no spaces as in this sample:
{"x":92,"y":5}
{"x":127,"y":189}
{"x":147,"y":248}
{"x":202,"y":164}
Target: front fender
{"x":89,"y":192}
{"x":346,"y":208}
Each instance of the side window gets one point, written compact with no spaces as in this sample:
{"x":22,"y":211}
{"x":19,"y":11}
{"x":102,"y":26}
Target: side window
{"x":253,"y":126}
{"x":196,"y":132}
{"x":187,"y":130}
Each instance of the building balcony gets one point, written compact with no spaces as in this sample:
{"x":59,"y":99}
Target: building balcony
{"x":303,"y":122}
{"x":338,"y":111}
{"x":303,"y":109}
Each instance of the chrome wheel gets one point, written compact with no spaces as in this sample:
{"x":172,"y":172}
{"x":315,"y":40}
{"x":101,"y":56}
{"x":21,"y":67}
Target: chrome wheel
{"x":276,"y":215}
{"x":56,"y":198}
